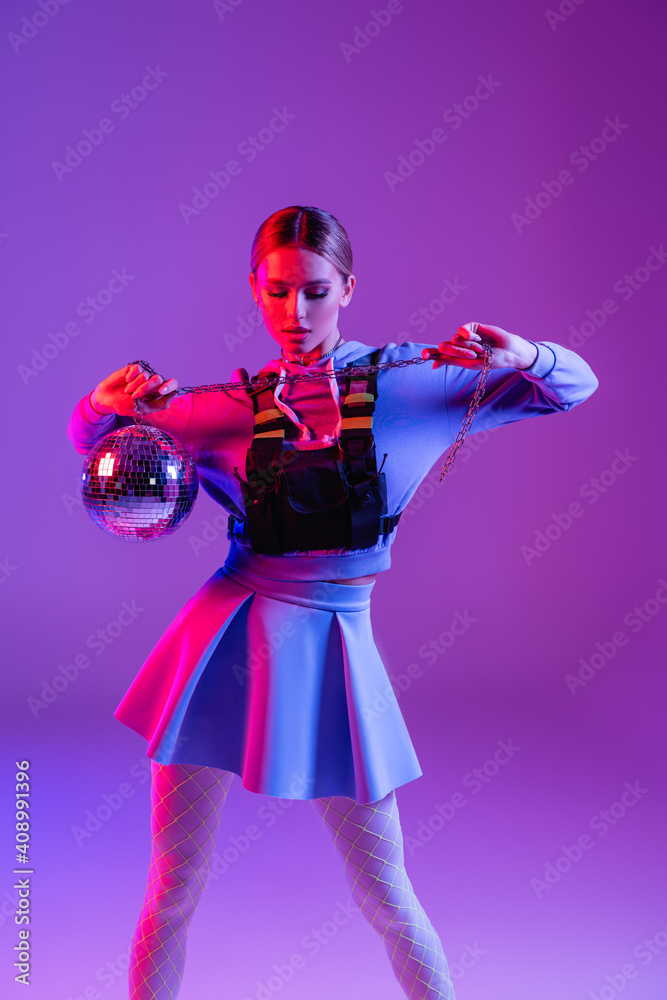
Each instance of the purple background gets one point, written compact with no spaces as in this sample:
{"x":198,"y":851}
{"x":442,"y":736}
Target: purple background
{"x":535,"y":617}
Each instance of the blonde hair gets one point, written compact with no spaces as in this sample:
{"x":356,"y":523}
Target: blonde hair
{"x":303,"y":226}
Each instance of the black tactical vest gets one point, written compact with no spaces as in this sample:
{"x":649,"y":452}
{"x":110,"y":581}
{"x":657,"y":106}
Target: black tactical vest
{"x":323,"y":498}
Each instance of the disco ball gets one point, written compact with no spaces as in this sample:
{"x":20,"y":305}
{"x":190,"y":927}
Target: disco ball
{"x":139,"y":483}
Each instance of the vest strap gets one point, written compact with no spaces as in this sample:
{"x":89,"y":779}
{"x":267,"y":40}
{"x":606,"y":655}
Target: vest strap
{"x":363,"y":518}
{"x":269,"y":420}
{"x":237,"y":527}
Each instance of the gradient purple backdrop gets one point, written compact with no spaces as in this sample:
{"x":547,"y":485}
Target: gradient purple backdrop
{"x":220,"y":71}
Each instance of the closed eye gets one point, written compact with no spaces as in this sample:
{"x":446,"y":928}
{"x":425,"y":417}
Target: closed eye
{"x":309,"y":295}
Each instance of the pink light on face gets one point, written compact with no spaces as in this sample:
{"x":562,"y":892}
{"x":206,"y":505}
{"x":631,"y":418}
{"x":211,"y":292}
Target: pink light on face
{"x":299,"y":293}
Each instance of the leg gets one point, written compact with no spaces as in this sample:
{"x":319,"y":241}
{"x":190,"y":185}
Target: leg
{"x":370,"y":841}
{"x":187,"y":801}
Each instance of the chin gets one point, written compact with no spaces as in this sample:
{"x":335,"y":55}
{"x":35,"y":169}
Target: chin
{"x":300,"y":346}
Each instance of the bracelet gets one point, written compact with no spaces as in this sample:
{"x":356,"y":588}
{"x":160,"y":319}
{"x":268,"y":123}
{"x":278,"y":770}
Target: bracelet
{"x":537,"y":356}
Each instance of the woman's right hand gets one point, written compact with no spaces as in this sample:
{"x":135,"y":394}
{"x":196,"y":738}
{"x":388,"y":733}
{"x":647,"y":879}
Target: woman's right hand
{"x":116,"y":394}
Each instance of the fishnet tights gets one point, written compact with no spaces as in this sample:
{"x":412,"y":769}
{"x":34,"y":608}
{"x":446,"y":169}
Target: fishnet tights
{"x":187,"y":802}
{"x":370,"y":840}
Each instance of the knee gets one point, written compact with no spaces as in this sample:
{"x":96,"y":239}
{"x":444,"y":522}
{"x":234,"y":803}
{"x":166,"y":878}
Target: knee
{"x":387,"y":903}
{"x":181,"y":876}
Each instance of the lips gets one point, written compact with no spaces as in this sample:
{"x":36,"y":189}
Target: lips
{"x":296,"y":329}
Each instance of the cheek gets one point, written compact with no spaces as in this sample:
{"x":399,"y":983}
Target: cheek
{"x":328,"y":307}
{"x":274,"y":307}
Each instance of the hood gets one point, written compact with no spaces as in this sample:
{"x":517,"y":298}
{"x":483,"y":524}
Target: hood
{"x":348,"y":351}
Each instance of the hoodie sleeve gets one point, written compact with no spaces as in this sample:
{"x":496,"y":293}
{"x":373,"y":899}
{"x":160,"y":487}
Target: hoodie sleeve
{"x":86,"y":426}
{"x":558,"y":380}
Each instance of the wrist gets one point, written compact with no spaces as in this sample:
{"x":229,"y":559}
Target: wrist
{"x":527,"y":355}
{"x":95,"y":404}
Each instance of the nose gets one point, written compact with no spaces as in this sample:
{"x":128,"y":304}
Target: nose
{"x":296,"y":308}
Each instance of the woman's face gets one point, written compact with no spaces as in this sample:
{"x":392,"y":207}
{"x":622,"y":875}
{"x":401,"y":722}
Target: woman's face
{"x":299,"y":294}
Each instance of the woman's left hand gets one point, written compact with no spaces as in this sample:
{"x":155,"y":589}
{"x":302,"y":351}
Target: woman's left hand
{"x":465,"y":348}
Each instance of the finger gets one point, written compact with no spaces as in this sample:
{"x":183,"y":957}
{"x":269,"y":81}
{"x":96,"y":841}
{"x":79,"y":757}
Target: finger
{"x":451,"y":350}
{"x":476,"y":364}
{"x":464,"y":337}
{"x":133,"y":384}
{"x":143,"y":384}
{"x":458,"y":351}
{"x":134,"y":372}
{"x":470,"y":331}
{"x":170,"y":385}
{"x":470,"y":349}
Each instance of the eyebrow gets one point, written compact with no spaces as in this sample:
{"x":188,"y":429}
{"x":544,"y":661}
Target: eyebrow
{"x":276,"y":281}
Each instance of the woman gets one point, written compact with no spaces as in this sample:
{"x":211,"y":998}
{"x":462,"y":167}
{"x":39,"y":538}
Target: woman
{"x":270,"y":670}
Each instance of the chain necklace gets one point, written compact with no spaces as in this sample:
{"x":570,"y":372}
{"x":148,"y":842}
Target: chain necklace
{"x":310,"y":360}
{"x":264,"y":381}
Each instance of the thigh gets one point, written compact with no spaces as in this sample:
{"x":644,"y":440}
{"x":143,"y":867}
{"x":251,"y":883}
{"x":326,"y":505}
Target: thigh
{"x":368,"y":834}
{"x":187,"y":801}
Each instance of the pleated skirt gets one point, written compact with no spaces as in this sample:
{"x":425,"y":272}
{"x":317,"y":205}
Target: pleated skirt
{"x":279,"y":681}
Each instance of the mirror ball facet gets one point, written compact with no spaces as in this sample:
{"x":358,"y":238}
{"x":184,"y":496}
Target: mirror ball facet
{"x":139,"y":483}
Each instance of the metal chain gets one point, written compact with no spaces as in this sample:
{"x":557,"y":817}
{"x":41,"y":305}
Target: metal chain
{"x":263,"y":381}
{"x":305,"y":377}
{"x":472,"y":410}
